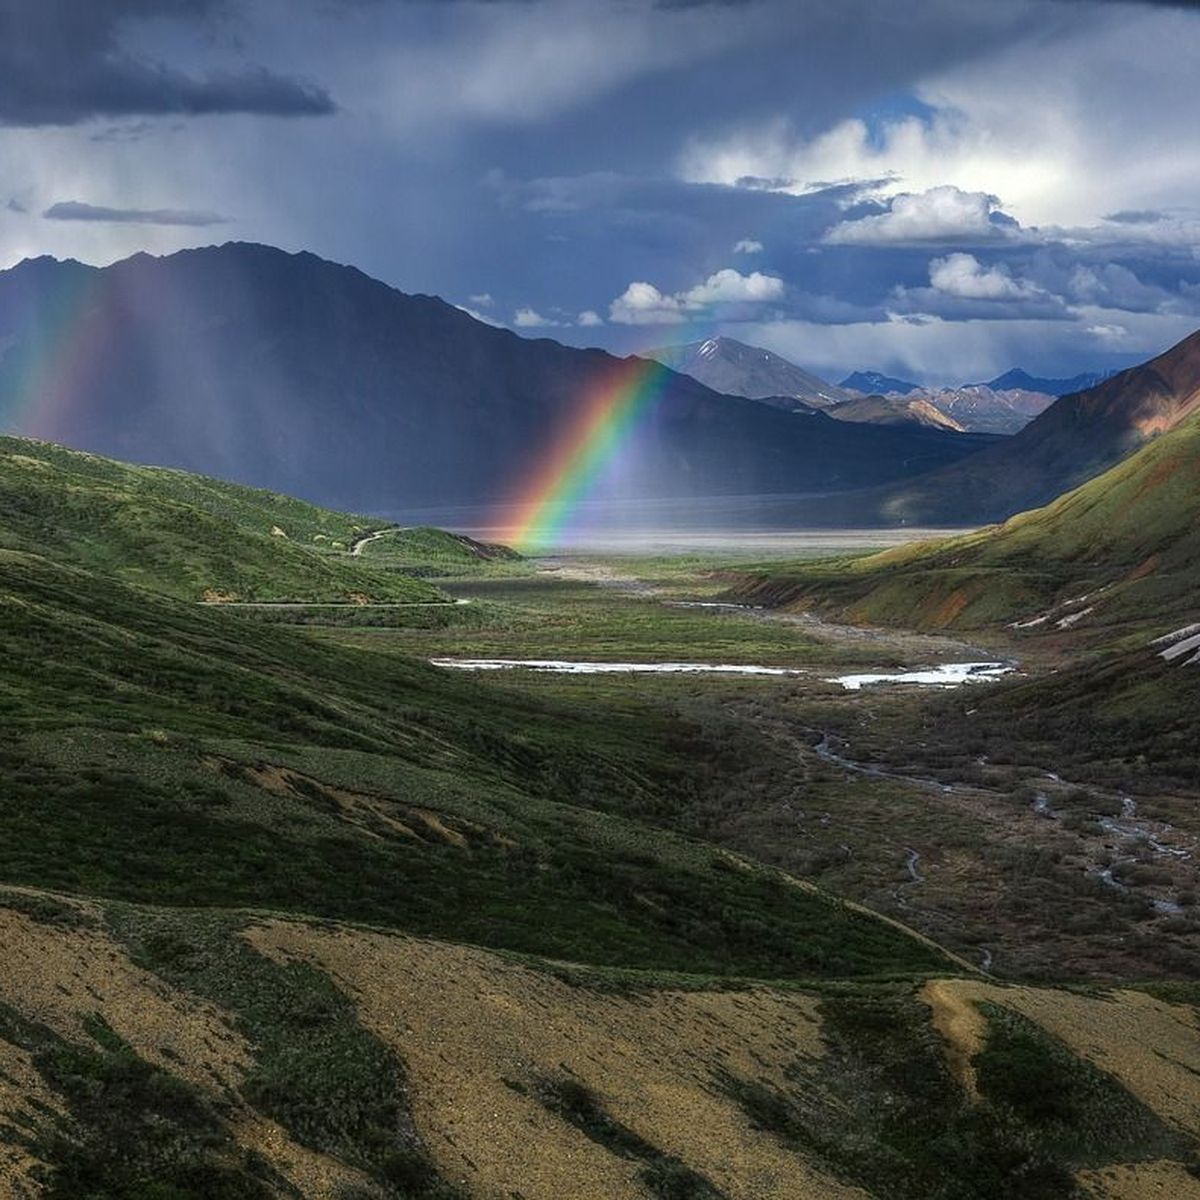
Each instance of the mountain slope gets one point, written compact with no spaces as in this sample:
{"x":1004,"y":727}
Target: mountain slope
{"x":289,"y":372}
{"x":898,"y":410}
{"x":1124,"y":546}
{"x":1076,"y":438}
{"x":192,"y":799}
{"x":984,"y":409}
{"x":736,"y":369}
{"x":253,"y":886}
{"x":285,"y":917}
{"x":186,"y":535}
{"x":230,"y":762}
{"x":278,"y":1058}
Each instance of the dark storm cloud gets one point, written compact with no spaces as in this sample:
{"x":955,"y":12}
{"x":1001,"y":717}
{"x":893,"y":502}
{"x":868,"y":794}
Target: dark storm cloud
{"x":63,"y":61}
{"x":608,"y":136}
{"x":76,"y":210}
{"x":593,"y":235}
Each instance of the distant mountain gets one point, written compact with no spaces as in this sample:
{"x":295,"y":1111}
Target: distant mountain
{"x":289,"y":372}
{"x":875,"y":383}
{"x":894,"y":410}
{"x":1019,"y":380}
{"x":1077,"y":437}
{"x":983,"y":409}
{"x":733,"y":367}
{"x":736,"y":369}
{"x":1002,"y":406}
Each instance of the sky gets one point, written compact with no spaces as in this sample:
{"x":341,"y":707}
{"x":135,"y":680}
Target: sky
{"x":939,"y":189}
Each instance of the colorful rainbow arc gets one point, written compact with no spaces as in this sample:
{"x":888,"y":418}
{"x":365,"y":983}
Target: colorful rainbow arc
{"x":586,"y":446}
{"x":61,"y":353}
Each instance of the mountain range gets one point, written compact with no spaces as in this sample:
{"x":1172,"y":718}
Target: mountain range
{"x":737,"y":369}
{"x":982,"y":408}
{"x":1015,"y":379}
{"x":913,"y":409}
{"x":293,"y":373}
{"x":1079,"y":436}
{"x":1056,"y":444}
{"x":1067,"y":441}
{"x":1020,"y":380}
{"x":289,"y":372}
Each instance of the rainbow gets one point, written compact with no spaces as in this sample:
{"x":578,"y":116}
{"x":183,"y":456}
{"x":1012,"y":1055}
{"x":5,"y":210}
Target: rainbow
{"x":587,"y":445}
{"x":60,"y":354}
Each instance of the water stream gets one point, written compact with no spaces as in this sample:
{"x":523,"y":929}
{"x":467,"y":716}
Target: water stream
{"x":568,"y":667}
{"x":945,"y":675}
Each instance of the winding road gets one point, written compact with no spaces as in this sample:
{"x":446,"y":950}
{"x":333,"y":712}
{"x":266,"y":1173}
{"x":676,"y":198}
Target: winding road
{"x":356,"y":546}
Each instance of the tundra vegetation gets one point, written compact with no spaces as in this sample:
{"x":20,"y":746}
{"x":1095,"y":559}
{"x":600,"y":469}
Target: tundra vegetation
{"x":278,"y":898}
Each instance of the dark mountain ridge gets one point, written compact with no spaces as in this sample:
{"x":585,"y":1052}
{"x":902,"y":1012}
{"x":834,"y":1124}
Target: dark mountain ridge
{"x":1078,"y":436}
{"x":1020,"y":380}
{"x":297,"y":374}
{"x":876,"y":383}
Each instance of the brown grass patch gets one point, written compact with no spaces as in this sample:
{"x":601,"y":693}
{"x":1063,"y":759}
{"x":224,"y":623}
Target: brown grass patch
{"x":1151,"y":1046}
{"x":60,"y":976}
{"x":377,"y":816}
{"x":1143,"y":1181}
{"x":477,"y":1032}
{"x":316,"y":1175}
{"x":439,"y":828}
{"x":21,"y":1088}
{"x":961,"y":1025}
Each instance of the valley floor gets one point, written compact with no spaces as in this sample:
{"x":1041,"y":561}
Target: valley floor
{"x":288,"y":912}
{"x":1033,"y":865}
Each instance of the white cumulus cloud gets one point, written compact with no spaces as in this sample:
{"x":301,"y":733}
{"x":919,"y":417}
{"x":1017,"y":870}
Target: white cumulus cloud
{"x":732,"y":287}
{"x":643,"y":304}
{"x":589,"y":318}
{"x":748,"y":246}
{"x":530,"y":318}
{"x":939,"y":215}
{"x":964,"y":276}
{"x":1067,"y":127}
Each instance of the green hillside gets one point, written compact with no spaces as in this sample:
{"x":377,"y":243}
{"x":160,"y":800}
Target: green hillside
{"x":161,"y":752}
{"x":186,"y":535}
{"x":422,"y":551}
{"x":1128,"y":541}
{"x":287,"y":914}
